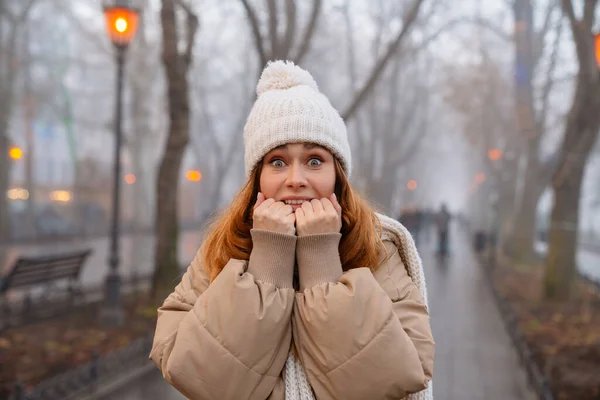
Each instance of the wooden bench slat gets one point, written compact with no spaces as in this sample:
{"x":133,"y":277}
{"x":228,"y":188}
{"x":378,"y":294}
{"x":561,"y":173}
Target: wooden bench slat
{"x":28,"y":266}
{"x":66,"y":273}
{"x":42,"y":267}
{"x":42,"y":270}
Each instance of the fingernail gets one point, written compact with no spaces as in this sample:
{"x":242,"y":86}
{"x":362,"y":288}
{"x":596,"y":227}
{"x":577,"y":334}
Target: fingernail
{"x":334,"y":197}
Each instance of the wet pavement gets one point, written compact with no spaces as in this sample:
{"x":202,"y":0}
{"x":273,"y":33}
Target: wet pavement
{"x":474,"y":356}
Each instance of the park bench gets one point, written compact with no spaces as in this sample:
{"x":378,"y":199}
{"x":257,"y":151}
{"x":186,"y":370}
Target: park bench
{"x":44,"y":272}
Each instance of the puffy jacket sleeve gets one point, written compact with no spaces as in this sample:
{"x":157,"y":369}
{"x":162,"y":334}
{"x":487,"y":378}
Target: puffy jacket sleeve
{"x":229,"y":339}
{"x":360,"y":335}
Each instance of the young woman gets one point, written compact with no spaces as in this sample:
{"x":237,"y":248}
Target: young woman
{"x":300,"y":290}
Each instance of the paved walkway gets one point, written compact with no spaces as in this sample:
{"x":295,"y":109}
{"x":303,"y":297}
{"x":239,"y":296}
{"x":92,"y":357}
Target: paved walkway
{"x":474,"y":356}
{"x":474,"y":359}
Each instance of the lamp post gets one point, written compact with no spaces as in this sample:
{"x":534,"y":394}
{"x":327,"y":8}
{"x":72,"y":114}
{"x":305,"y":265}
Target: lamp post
{"x":121,"y":23}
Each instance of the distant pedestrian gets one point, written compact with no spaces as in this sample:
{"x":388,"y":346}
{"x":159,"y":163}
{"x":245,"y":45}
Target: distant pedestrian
{"x":299,"y":290}
{"x":443,"y":227}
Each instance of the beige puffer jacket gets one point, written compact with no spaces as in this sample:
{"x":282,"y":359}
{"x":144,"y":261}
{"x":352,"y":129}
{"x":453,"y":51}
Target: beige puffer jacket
{"x":360,"y":335}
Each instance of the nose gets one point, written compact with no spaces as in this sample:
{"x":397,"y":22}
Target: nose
{"x":296,"y":178}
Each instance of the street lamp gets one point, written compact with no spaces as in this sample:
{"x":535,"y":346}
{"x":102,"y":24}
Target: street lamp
{"x":15,"y":153}
{"x":121,"y":24}
{"x":412,"y":184}
{"x":193,"y":175}
{"x":130,"y":179}
{"x":495,"y":154}
{"x":597,"y":46}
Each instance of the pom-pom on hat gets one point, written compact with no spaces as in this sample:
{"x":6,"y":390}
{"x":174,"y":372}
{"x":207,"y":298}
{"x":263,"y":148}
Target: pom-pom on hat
{"x":290,"y":109}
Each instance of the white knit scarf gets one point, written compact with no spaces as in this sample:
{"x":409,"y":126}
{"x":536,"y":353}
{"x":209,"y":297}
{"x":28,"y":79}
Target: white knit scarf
{"x":296,"y":384}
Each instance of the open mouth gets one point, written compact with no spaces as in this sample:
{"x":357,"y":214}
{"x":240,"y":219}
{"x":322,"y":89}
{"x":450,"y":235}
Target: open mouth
{"x":295,"y":202}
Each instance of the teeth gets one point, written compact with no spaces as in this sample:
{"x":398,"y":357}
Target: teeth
{"x":294,"y":202}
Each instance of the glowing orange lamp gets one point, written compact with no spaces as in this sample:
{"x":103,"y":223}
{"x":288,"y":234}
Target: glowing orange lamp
{"x":15,"y":153}
{"x":495,"y":154}
{"x":121,"y":22}
{"x":597,"y":45}
{"x":193,"y":176}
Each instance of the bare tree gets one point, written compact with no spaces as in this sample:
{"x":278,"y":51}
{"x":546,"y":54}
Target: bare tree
{"x":481,"y":95}
{"x":581,"y":132}
{"x":177,"y":65}
{"x":391,"y":127}
{"x":532,"y":120}
{"x":381,"y":62}
{"x":8,"y":70}
{"x":281,"y":43}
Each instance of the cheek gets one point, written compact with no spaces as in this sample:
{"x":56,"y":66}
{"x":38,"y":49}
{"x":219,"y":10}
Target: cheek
{"x":268,"y":185}
{"x":324,"y":184}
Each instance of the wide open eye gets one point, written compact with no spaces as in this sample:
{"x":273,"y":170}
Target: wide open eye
{"x":277,"y":163}
{"x":315,"y":162}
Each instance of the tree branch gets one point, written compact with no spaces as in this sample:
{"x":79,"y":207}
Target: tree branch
{"x":258,"y":39}
{"x":541,"y":121}
{"x":589,"y":10}
{"x":486,"y":23}
{"x":288,"y":40}
{"x":273,"y":35}
{"x":192,"y":27}
{"x":310,"y":30}
{"x":15,"y":21}
{"x":382,"y":62}
{"x":188,"y":10}
{"x":539,"y":36}
{"x":581,"y":30}
{"x":567,"y":7}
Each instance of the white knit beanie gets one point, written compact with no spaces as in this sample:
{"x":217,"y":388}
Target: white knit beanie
{"x":290,"y":109}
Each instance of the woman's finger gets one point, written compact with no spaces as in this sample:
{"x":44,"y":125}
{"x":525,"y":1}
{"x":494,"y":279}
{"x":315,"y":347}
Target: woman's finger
{"x":259,"y":200}
{"x":317,"y":206}
{"x":307,"y":208}
{"x":336,"y":204}
{"x":328,"y":205}
{"x":300,"y":216}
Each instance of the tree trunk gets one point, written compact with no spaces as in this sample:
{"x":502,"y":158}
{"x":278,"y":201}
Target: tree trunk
{"x":524,"y":113}
{"x":506,"y":205}
{"x":581,"y":134}
{"x":167,"y":227}
{"x":524,"y":232}
{"x":561,"y":267}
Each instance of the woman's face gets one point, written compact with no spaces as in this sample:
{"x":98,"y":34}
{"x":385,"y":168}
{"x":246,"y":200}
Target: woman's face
{"x":297,"y":172}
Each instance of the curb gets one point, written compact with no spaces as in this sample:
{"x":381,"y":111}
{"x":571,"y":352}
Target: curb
{"x":536,"y":379}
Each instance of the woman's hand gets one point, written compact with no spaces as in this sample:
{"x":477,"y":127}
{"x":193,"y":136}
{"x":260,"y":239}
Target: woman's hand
{"x":274,"y":216}
{"x":319,"y":216}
